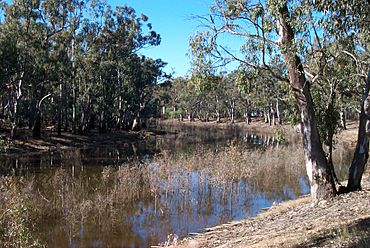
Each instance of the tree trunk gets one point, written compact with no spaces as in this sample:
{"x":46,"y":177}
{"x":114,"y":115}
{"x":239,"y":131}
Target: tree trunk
{"x":321,"y":180}
{"x":362,"y":148}
{"x":278,"y":113}
{"x":60,"y":115}
{"x":74,"y":130}
{"x":136,"y":124}
{"x":272,"y":116}
{"x":269,"y":115}
{"x":15,"y":96}
{"x":343,"y":119}
{"x":163,"y":113}
{"x":218,"y":116}
{"x":266,"y":115}
{"x":65,"y":107}
{"x":82,"y":125}
{"x":36,"y":129}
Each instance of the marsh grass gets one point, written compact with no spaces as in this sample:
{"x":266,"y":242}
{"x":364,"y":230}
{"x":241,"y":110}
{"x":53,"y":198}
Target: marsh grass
{"x":235,"y":163}
{"x":16,"y":229}
{"x":106,"y":195}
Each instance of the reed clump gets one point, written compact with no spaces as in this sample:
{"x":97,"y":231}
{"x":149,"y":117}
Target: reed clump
{"x":73,"y":199}
{"x":16,"y":228}
{"x":235,"y":163}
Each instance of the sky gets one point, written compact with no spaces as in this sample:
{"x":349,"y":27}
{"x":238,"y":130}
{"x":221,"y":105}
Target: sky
{"x":172,"y":19}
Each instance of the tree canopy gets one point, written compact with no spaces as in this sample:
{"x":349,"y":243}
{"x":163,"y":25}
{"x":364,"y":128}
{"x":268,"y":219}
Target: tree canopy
{"x":80,"y":57}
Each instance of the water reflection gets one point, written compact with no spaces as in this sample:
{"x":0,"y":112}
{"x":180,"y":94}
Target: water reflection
{"x":121,"y":196}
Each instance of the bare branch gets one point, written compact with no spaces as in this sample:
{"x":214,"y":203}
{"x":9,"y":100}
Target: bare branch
{"x":265,"y":67}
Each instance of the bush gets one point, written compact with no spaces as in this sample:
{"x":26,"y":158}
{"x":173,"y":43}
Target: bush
{"x":3,"y":145}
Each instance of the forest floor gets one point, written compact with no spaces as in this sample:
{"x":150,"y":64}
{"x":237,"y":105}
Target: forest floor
{"x":341,"y":222}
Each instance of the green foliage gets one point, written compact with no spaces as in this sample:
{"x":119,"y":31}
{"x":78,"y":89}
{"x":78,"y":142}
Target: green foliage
{"x":334,"y":58}
{"x":174,"y":114}
{"x":280,"y":135}
{"x":3,"y":145}
{"x":84,"y":55}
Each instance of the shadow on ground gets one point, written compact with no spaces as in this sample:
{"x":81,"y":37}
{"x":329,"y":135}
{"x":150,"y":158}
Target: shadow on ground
{"x":354,"y":235}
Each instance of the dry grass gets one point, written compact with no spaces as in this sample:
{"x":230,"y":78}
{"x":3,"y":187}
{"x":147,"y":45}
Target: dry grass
{"x":16,"y":228}
{"x":26,"y":205}
{"x":235,"y":163}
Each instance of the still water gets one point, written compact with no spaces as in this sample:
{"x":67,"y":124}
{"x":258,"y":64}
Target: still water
{"x":123,"y":196}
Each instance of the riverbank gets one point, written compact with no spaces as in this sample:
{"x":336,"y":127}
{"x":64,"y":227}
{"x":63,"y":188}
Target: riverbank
{"x":256,"y":126}
{"x":341,"y":222}
{"x":24,"y":143}
{"x":50,"y":141}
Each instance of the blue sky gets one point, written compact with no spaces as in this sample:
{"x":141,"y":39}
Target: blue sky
{"x":172,"y":20}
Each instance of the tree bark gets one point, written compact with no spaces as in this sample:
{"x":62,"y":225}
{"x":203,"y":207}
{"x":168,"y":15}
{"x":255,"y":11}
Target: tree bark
{"x":362,"y":148}
{"x":343,"y":117}
{"x":60,"y":115}
{"x":232,"y":110}
{"x":321,"y":180}
{"x":265,"y":115}
{"x":278,"y":113}
{"x":15,"y":96}
{"x":36,"y":128}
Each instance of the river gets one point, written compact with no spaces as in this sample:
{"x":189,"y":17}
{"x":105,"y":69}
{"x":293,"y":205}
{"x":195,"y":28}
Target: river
{"x":137,"y":194}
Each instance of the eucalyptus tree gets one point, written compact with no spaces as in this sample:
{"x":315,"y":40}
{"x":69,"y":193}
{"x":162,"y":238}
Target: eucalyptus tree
{"x":279,"y":32}
{"x":334,"y":88}
{"x":23,"y":26}
{"x":180,"y":96}
{"x":263,"y":93}
{"x":350,"y":20}
{"x":234,"y":99}
{"x":82,"y":57}
{"x":123,"y":74}
{"x":149,"y":72}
